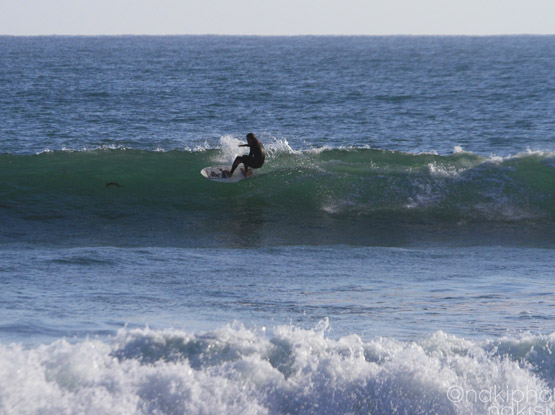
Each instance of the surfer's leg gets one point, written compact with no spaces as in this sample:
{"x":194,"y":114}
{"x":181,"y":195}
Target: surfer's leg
{"x":238,"y":160}
{"x":247,"y":162}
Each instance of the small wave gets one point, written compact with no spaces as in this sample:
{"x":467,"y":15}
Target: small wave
{"x":346,"y":193}
{"x":235,"y":370}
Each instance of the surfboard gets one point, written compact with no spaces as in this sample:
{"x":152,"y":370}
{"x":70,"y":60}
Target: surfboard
{"x":216,"y":174}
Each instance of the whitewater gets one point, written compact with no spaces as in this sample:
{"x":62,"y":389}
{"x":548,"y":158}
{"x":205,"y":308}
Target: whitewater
{"x":394,"y":255}
{"x":234,"y":370}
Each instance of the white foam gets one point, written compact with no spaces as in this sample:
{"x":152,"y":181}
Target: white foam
{"x":438,"y":170}
{"x":229,"y":149}
{"x":549,"y":156}
{"x":279,"y":146}
{"x":88,"y":149}
{"x":459,"y":150}
{"x":199,"y":148}
{"x":235,"y":370}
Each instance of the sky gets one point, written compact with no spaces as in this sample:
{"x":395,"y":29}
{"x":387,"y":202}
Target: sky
{"x":277,"y":17}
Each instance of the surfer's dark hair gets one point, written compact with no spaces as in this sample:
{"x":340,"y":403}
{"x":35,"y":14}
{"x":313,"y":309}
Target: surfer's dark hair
{"x":250,"y":135}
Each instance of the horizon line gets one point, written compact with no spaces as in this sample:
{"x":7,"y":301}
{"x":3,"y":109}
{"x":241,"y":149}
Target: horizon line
{"x":277,"y":35}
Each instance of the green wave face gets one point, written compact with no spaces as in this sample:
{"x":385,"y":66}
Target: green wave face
{"x":345,"y":192}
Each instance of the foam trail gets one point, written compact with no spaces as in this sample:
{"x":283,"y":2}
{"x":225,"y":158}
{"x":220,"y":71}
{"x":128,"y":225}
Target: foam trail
{"x":235,"y":370}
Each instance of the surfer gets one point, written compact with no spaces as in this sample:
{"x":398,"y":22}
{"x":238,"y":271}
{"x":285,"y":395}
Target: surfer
{"x":254,"y":160}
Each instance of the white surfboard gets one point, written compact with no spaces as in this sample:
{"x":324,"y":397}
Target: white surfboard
{"x":216,"y":174}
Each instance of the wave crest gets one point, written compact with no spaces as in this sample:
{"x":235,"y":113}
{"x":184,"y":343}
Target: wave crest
{"x":335,"y":195}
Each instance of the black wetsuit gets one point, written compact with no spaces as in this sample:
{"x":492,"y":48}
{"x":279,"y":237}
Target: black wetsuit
{"x":254,"y":160}
{"x":256,"y":156}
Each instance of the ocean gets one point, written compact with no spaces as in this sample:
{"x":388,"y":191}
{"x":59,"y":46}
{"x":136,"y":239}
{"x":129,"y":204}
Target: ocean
{"x":394,"y":255}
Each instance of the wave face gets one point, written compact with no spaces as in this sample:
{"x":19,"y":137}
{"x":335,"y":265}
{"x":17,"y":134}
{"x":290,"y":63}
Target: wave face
{"x":354,"y":195}
{"x":235,"y":370}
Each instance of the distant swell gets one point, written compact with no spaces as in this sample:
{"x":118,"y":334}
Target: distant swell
{"x":296,"y":195}
{"x":235,"y":370}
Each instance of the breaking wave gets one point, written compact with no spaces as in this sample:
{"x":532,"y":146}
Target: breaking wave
{"x":332,"y":189}
{"x":235,"y":370}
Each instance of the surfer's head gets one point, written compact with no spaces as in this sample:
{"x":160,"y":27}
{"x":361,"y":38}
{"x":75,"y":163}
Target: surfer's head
{"x":251,"y":137}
